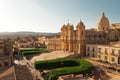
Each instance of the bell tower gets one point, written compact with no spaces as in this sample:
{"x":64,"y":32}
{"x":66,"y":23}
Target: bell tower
{"x":70,"y":37}
{"x":64,"y":38}
{"x":80,"y":38}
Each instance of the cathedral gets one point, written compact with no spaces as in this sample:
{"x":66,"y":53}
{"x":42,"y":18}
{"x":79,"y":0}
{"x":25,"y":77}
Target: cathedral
{"x":103,"y":34}
{"x":76,"y":40}
{"x":73,"y":40}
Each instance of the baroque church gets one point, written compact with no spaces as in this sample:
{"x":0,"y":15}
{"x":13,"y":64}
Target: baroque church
{"x":75,"y":40}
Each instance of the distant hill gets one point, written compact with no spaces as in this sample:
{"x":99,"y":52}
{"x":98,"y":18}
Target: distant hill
{"x":24,"y":34}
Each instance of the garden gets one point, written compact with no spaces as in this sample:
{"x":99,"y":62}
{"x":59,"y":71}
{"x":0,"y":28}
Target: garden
{"x":64,"y":66}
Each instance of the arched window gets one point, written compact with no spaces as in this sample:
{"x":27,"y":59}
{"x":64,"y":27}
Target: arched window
{"x":0,"y":65}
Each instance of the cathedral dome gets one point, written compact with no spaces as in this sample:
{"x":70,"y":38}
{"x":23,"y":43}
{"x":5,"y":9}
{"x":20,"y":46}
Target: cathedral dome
{"x":103,"y":22}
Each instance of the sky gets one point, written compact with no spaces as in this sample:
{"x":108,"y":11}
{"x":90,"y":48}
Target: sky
{"x":51,"y":15}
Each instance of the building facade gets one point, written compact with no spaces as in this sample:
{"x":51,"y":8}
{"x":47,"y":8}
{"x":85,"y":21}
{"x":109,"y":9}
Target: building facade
{"x":103,"y":34}
{"x":109,"y":53}
{"x":73,"y":40}
{"x":115,"y":26}
{"x":26,"y":42}
{"x":6,"y":47}
{"x":54,"y":43}
{"x":103,"y":43}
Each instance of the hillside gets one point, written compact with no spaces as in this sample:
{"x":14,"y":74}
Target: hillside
{"x":24,"y":34}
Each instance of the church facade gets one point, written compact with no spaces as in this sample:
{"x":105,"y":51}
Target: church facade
{"x":73,"y":40}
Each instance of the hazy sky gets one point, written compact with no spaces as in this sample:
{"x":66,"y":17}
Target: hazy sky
{"x":50,"y":15}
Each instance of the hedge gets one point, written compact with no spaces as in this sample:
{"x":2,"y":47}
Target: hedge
{"x":30,"y":51}
{"x":69,"y":66}
{"x":55,"y":63}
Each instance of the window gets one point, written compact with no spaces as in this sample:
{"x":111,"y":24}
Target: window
{"x":105,"y":58}
{"x":0,"y":65}
{"x":118,"y":60}
{"x":99,"y":56}
{"x":112,"y":59}
{"x":93,"y":55}
{"x":93,"y":49}
{"x":88,"y":49}
{"x":113,"y":51}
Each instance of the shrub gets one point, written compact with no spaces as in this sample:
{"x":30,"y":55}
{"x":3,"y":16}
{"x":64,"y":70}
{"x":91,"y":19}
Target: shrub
{"x":52,"y":77}
{"x":29,"y":51}
{"x":55,"y":63}
{"x":68,"y":66}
